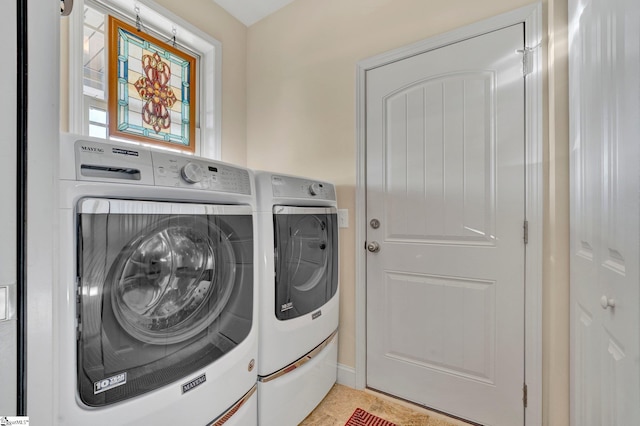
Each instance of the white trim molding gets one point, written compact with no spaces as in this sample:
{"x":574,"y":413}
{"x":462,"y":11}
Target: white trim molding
{"x":346,"y":376}
{"x":42,"y":212}
{"x":531,"y":16}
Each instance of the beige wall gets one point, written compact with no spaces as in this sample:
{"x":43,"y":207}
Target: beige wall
{"x":301,"y":120}
{"x":215,"y":21}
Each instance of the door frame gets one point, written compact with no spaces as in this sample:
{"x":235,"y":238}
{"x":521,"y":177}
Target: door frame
{"x":531,"y":16}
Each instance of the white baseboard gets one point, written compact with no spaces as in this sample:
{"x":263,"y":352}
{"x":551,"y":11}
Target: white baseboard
{"x":346,"y":376}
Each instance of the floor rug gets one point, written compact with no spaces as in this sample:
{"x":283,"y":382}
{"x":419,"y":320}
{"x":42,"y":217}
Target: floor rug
{"x":362,"y":418}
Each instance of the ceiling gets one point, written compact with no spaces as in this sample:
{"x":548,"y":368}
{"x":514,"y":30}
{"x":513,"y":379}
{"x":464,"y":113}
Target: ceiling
{"x":251,"y":11}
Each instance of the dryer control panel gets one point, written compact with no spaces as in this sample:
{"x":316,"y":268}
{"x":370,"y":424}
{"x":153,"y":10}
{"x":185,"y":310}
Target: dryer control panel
{"x":291,"y":187}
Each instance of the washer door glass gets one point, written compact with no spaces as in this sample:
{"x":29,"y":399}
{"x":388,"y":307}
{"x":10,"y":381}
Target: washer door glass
{"x":170,"y":283}
{"x":161,"y":294}
{"x":306,"y":252}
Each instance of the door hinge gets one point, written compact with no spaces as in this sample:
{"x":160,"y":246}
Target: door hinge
{"x":527,"y":60}
{"x":524,"y":395}
{"x":526,"y":231}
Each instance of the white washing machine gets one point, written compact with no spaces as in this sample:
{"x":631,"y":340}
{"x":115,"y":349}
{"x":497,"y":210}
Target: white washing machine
{"x":299,"y":297}
{"x":155,"y":308}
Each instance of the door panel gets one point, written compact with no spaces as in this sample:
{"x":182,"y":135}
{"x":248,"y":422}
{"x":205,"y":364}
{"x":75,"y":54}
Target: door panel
{"x":445,"y":177}
{"x":441,"y":198}
{"x":465,"y":347}
{"x":585,"y":409}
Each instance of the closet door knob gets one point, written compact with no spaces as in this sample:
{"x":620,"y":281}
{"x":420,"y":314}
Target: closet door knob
{"x":66,"y":6}
{"x":605,"y":302}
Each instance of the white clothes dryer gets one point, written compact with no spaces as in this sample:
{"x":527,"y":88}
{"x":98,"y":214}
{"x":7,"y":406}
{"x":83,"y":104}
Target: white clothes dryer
{"x":299,"y":297}
{"x":155,"y":308}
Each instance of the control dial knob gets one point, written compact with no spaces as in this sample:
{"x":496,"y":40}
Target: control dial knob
{"x":192,"y":172}
{"x":315,"y":188}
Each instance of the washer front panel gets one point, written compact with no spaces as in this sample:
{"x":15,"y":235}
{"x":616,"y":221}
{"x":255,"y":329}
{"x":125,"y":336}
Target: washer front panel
{"x":164,"y":289}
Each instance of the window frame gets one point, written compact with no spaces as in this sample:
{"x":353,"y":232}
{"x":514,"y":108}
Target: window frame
{"x":97,"y":104}
{"x":160,"y":22}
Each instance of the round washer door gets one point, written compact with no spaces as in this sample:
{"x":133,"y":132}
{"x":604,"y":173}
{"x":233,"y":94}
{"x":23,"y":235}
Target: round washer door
{"x":171,"y":283}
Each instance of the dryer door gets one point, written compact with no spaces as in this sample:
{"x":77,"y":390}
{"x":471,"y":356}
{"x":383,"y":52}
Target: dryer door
{"x":306,"y":259}
{"x":164,"y":290}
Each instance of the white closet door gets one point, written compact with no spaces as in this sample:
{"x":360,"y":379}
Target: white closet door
{"x":605,"y":212}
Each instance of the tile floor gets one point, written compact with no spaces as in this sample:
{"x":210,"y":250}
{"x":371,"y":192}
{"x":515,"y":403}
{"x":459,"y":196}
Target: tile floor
{"x":336,"y":408}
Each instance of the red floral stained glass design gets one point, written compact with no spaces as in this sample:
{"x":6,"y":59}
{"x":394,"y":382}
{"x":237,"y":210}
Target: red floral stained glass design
{"x":152,"y":89}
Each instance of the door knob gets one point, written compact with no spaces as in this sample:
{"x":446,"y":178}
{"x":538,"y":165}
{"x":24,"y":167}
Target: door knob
{"x":373,"y":247}
{"x":605,"y":302}
{"x":65,"y":7}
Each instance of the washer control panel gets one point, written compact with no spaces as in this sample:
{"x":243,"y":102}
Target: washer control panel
{"x":100,"y":162}
{"x":192,"y":172}
{"x":198,"y":173}
{"x":105,"y":162}
{"x":291,"y":187}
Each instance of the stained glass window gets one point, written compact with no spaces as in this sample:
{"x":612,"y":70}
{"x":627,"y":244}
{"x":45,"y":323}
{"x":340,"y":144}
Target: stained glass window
{"x":152,"y":89}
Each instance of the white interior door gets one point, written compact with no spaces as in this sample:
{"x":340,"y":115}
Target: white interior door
{"x":605,"y":212}
{"x":445,"y":181}
{"x":8,"y":171}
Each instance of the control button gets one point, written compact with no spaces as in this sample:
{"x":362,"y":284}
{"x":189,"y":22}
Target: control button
{"x":315,"y":188}
{"x":192,"y":172}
